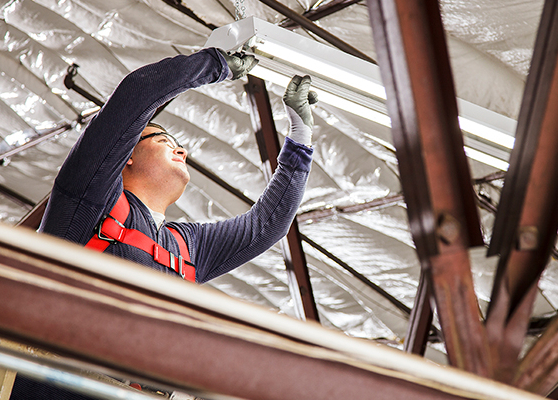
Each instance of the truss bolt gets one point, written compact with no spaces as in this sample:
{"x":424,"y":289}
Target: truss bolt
{"x":448,"y":228}
{"x":528,"y":238}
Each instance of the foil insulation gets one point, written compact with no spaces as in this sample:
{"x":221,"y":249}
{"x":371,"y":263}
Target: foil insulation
{"x":490,"y":43}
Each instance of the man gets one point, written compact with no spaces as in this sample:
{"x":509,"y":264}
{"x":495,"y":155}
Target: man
{"x":120,"y":152}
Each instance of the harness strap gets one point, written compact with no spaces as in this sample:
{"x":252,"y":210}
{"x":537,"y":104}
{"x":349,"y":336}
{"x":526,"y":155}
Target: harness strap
{"x":111,"y":230}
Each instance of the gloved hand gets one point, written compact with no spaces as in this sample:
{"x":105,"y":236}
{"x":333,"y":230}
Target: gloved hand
{"x":239,"y":65}
{"x":297,"y":100}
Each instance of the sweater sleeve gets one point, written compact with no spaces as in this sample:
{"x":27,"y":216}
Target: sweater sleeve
{"x":217,"y":248}
{"x":90,"y":178}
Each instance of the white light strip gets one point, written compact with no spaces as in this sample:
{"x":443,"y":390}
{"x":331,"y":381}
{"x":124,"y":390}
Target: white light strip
{"x":486,"y":159}
{"x":326,"y":97}
{"x":382,"y":119}
{"x":309,"y":63}
{"x":486,"y":133}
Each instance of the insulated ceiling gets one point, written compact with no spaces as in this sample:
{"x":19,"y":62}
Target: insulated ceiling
{"x":490,"y":45}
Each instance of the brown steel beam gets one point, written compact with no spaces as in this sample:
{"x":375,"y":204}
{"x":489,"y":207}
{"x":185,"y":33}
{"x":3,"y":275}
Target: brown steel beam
{"x":413,"y":59}
{"x":529,"y":124}
{"x":420,"y":321}
{"x":151,"y":337}
{"x":320,"y":32}
{"x":538,"y":371}
{"x":268,"y":144}
{"x":33,"y":218}
{"x":320,"y":12}
{"x":527,"y":218}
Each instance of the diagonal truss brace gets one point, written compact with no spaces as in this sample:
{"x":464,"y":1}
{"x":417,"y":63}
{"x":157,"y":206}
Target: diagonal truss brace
{"x":415,"y":68}
{"x":527,"y":217}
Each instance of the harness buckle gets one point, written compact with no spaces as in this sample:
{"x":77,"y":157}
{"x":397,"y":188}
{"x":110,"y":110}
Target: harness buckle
{"x":181,"y":268}
{"x":100,"y":228}
{"x":171,"y":258}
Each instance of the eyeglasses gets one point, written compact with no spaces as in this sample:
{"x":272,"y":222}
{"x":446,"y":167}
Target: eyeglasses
{"x":167,"y":138}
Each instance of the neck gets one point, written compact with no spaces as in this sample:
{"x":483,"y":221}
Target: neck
{"x":157,"y":200}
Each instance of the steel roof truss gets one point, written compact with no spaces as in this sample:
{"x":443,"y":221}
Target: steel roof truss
{"x":528,"y":209}
{"x":433,"y":167}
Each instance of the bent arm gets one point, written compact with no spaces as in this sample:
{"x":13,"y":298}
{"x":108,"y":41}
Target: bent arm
{"x":90,"y":178}
{"x":219,"y":247}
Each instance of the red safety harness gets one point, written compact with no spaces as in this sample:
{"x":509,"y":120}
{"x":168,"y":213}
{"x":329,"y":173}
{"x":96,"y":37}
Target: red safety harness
{"x":111,"y":230}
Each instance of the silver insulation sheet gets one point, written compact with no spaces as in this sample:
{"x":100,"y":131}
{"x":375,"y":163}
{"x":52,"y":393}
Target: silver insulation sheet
{"x":490,"y":44}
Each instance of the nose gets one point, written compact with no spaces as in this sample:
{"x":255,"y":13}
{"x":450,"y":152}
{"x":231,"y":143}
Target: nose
{"x":181,"y":152}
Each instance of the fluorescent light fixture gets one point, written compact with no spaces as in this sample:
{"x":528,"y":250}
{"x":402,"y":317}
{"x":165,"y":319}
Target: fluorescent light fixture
{"x":340,"y":79}
{"x":486,"y":159}
{"x":349,"y":83}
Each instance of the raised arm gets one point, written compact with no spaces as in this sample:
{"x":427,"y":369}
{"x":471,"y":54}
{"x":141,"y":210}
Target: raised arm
{"x":90,"y":178}
{"x":220,"y":247}
{"x":217,"y":248}
{"x":101,"y":152}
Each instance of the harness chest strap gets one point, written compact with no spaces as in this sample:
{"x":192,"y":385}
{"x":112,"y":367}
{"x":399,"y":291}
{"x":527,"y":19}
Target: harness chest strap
{"x":110,"y":230}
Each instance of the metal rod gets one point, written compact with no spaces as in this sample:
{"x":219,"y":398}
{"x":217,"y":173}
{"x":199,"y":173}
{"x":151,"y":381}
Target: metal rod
{"x":41,"y":137}
{"x":16,"y":197}
{"x":177,"y":4}
{"x":322,"y":33}
{"x":60,"y":375}
{"x":70,"y":84}
{"x":322,"y":11}
{"x":325,"y":212}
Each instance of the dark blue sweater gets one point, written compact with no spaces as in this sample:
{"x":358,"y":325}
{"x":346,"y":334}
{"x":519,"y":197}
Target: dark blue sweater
{"x":90,"y":180}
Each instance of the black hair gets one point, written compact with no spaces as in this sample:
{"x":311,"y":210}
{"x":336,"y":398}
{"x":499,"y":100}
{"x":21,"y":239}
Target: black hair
{"x":154,"y":125}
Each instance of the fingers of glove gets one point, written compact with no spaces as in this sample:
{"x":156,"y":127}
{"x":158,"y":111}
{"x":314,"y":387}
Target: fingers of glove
{"x":297,"y":90}
{"x":312,"y":97}
{"x":292,"y":87}
{"x":240,"y":65}
{"x":243,"y":64}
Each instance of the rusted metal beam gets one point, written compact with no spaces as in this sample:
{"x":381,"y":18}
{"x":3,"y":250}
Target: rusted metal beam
{"x":527,"y":217}
{"x":420,"y":321}
{"x":33,"y":218}
{"x":413,"y":59}
{"x":320,"y":12}
{"x":529,"y":124}
{"x":268,"y":144}
{"x":312,"y":27}
{"x":538,"y":371}
{"x":180,"y":343}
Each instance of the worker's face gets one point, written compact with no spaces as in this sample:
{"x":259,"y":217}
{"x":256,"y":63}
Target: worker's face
{"x":159,"y":158}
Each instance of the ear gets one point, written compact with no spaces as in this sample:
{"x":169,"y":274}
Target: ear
{"x":130,"y":161}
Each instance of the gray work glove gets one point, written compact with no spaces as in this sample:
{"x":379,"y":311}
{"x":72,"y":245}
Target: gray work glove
{"x":239,"y":64}
{"x":297,"y":100}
